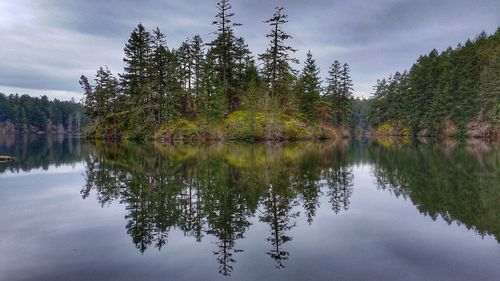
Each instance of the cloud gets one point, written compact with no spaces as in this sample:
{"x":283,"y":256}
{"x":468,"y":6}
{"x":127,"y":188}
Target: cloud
{"x":48,"y":44}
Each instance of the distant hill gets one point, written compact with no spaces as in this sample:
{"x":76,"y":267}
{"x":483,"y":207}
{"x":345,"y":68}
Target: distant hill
{"x":25,"y":114}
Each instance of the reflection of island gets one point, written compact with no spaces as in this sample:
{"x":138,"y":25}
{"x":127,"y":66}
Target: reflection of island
{"x":216,"y":190}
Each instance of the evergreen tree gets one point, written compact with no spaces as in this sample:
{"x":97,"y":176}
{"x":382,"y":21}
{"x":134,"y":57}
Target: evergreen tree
{"x":159,"y":69}
{"x":135,"y":79}
{"x":90,"y":100}
{"x":339,"y":92}
{"x":105,"y":92}
{"x":445,"y":92}
{"x":198,"y":56}
{"x":311,"y":87}
{"x":39,"y":114}
{"x":345,"y":105}
{"x":223,"y":50}
{"x":211,"y":99}
{"x":277,"y":57}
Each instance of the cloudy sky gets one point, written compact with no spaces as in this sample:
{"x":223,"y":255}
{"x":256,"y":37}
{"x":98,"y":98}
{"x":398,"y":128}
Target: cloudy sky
{"x":47,"y":44}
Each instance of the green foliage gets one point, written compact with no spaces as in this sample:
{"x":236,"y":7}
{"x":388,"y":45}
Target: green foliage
{"x":181,"y":129}
{"x":277,"y":57}
{"x":41,"y":113}
{"x":244,"y":125}
{"x":294,"y":129}
{"x":452,"y":89}
{"x":206,"y":83}
{"x":310,"y":88}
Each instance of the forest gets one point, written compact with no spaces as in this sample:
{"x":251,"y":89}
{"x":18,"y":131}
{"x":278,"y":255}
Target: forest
{"x":452,"y":93}
{"x":25,"y":114}
{"x":218,"y":89}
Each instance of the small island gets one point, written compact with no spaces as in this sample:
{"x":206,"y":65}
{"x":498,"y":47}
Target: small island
{"x":220,"y":90}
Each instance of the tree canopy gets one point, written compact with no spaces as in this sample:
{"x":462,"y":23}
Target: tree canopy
{"x":455,"y":92}
{"x":39,"y":114}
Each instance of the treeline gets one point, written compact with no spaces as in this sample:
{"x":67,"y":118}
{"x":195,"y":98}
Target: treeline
{"x":34,"y":115}
{"x":216,"y":88}
{"x":452,"y":93}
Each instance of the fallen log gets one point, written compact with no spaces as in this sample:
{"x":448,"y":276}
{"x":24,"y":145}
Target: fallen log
{"x":6,"y":158}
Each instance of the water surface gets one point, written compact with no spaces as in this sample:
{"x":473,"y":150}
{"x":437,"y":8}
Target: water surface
{"x":72,"y":210}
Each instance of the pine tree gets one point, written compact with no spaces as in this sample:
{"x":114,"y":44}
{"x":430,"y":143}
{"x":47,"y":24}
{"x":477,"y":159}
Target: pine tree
{"x":172,"y":107}
{"x":243,"y":64}
{"x":489,"y":97}
{"x":211,"y":98}
{"x":334,"y":91}
{"x":277,"y":57}
{"x":311,"y":88}
{"x":105,"y":92}
{"x":345,"y":105}
{"x":443,"y":92}
{"x":135,"y":79}
{"x":222,"y":48}
{"x":159,"y":68}
{"x":198,"y":56}
{"x":89,"y":97}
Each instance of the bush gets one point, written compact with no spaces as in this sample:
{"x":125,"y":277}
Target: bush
{"x":181,"y":129}
{"x":239,"y":125}
{"x":294,"y":129}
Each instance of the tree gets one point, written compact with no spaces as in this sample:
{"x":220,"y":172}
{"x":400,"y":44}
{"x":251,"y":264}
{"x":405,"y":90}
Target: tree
{"x":277,"y":57}
{"x":443,"y":93}
{"x":105,"y":93}
{"x":222,"y":48}
{"x":339,"y":92}
{"x":90,"y":100}
{"x":39,"y":114}
{"x":211,"y":98}
{"x":198,"y":56}
{"x":311,"y":87}
{"x":345,"y":105}
{"x":136,"y":78}
{"x":159,"y":69}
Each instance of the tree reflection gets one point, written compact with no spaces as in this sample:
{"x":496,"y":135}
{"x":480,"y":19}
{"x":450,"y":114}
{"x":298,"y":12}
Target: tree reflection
{"x":278,"y":204}
{"x":457,"y":183}
{"x":39,"y":152}
{"x":218,"y":191}
{"x":212,"y":190}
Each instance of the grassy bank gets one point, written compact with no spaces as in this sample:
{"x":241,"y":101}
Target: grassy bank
{"x":239,"y":125}
{"x":474,"y":129}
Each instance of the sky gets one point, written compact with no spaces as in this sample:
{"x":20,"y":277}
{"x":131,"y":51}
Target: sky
{"x":47,"y":44}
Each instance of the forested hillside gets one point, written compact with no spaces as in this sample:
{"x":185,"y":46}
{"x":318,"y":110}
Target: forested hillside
{"x":25,"y":114}
{"x":452,"y":93}
{"x":218,"y":89}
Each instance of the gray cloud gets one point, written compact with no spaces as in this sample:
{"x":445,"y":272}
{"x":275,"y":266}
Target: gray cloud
{"x":47,"y":44}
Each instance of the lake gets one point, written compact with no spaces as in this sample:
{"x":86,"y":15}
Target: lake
{"x":353,"y":210}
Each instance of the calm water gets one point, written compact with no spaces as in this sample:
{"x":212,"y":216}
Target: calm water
{"x":71,"y":210}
